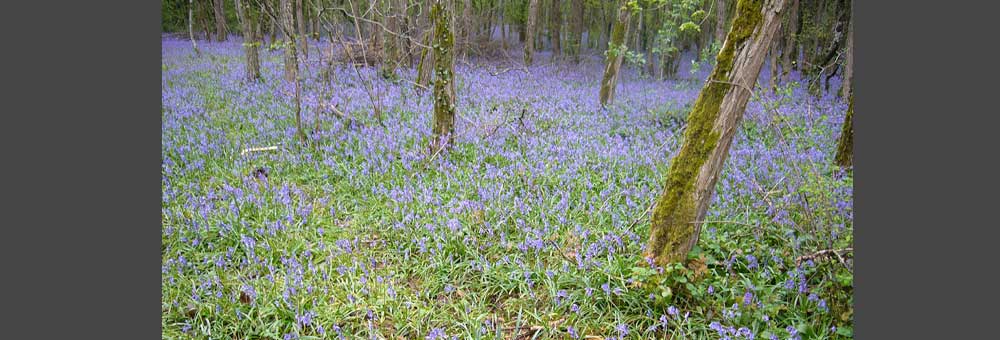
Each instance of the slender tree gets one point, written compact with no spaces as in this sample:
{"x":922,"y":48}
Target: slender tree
{"x":555,"y":27}
{"x":220,"y":21}
{"x":444,"y":69}
{"x":191,"y":26}
{"x":301,"y":21}
{"x":287,"y":27}
{"x":616,"y":52}
{"x":712,"y":123}
{"x":529,"y":41}
{"x":467,"y":24}
{"x":250,"y":20}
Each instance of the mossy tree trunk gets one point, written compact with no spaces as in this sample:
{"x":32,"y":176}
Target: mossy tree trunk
{"x":444,"y":70}
{"x":615,"y":54}
{"x":529,"y":40}
{"x":250,"y":20}
{"x":712,"y":123}
{"x":845,"y":146}
{"x":220,"y":21}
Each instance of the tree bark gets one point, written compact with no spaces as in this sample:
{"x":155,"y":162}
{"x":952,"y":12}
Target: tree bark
{"x":720,"y":20}
{"x":712,"y":123}
{"x":845,"y":89}
{"x":791,"y":41}
{"x":191,"y":26}
{"x":467,"y":24}
{"x":220,"y":21}
{"x":301,"y":23}
{"x":845,"y":146}
{"x":576,"y":27}
{"x":251,"y":38}
{"x":287,"y":27}
{"x":529,"y":40}
{"x":444,"y":86}
{"x":615,"y":54}
{"x":556,"y":28}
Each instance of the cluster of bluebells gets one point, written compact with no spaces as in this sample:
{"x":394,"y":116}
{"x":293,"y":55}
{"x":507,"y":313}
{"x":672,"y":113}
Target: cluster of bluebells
{"x":565,"y":180}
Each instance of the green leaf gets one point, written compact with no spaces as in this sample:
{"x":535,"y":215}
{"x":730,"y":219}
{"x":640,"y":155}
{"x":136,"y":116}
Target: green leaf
{"x":847,"y":331}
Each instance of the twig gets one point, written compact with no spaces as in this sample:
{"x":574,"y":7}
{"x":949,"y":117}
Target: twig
{"x":824,"y":254}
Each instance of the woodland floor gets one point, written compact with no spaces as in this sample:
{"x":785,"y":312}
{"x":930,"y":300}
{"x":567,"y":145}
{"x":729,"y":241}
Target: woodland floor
{"x":532,"y":225}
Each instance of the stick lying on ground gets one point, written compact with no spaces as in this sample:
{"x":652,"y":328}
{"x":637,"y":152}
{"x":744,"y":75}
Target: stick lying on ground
{"x":265,"y":148}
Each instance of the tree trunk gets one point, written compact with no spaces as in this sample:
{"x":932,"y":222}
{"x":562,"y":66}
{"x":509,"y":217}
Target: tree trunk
{"x":773,"y":63}
{"x":845,"y":147}
{"x":467,"y":23}
{"x":791,"y":41}
{"x":301,"y":21}
{"x":616,"y":53}
{"x":220,"y":21}
{"x":576,"y":29}
{"x":720,"y":20}
{"x":286,"y":29}
{"x":251,"y":38}
{"x":444,"y":87}
{"x":712,"y":123}
{"x":529,"y":40}
{"x":191,"y":26}
{"x":845,"y":89}
{"x":556,"y":28}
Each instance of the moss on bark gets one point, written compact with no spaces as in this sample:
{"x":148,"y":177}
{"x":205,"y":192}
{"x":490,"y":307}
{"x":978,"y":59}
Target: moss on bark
{"x":674,"y":222}
{"x":615,"y":55}
{"x":444,"y":86}
{"x":845,"y":147}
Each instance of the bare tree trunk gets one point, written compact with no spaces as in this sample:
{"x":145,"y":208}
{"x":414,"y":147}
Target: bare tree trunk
{"x":467,"y":22}
{"x":616,"y":53}
{"x":845,"y":146}
{"x":773,"y":63}
{"x":249,"y":19}
{"x":287,"y":27}
{"x":191,"y":26}
{"x":575,"y":39}
{"x":791,"y":37}
{"x":556,"y":28}
{"x":220,"y":21}
{"x":845,"y":89}
{"x":712,"y":123}
{"x":444,"y":87}
{"x":529,"y":41}
{"x":301,"y":21}
{"x":503,"y":28}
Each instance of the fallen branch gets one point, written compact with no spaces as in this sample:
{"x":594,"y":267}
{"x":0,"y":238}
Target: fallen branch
{"x":826,"y":253}
{"x":265,"y":148}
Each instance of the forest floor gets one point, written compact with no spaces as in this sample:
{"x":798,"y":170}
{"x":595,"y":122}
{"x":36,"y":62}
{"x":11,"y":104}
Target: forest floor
{"x":533,"y":225}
